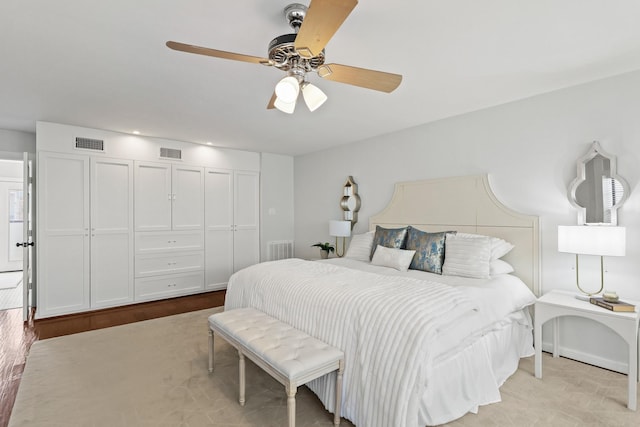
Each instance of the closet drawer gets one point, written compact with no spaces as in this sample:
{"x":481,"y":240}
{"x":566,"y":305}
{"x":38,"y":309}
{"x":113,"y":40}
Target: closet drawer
{"x":168,"y":263}
{"x":162,"y":241}
{"x":150,"y":288}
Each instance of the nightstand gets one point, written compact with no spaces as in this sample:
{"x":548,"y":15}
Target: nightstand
{"x":560,"y":303}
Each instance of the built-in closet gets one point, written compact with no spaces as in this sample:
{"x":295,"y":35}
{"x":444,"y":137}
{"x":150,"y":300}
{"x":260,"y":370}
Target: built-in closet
{"x":118,"y":223}
{"x":231,"y":223}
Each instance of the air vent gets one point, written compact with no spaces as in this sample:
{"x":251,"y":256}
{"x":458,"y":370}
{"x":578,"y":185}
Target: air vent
{"x":89,"y":144}
{"x":170,"y":153}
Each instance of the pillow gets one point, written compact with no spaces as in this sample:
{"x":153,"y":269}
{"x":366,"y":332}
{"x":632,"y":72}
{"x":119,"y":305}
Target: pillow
{"x":389,"y":238}
{"x":499,"y":247}
{"x":429,"y":249}
{"x":498,"y":266}
{"x":360,"y":247}
{"x":391,"y":257}
{"x":467,"y":256}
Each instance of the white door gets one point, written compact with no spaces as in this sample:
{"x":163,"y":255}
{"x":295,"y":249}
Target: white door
{"x":246,"y":213}
{"x":111,"y":232}
{"x":27,"y":242}
{"x":187,"y":183}
{"x":63,"y":230}
{"x":152,"y":196}
{"x":218,"y":228}
{"x":11,"y":222}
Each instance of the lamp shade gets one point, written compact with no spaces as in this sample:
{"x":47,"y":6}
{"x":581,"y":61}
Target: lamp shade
{"x":285,"y":107}
{"x":592,"y":240}
{"x":313,"y":96}
{"x":340,"y":228}
{"x":287,"y":89}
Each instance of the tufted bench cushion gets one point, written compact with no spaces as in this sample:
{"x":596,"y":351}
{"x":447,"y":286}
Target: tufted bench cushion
{"x":288,"y":354}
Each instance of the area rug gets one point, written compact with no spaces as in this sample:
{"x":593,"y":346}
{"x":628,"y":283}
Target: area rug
{"x":154,"y":373}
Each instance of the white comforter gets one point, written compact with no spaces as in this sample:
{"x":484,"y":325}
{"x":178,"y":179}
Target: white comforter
{"x":386,"y":325}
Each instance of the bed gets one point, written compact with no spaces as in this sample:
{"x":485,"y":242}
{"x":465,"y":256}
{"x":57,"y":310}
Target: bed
{"x":420,"y":348}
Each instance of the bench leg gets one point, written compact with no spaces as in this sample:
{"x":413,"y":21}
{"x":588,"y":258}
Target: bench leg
{"x":210,"y":350}
{"x":336,"y":415}
{"x":241,"y":379}
{"x":291,"y":404}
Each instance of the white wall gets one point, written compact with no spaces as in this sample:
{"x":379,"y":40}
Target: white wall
{"x":276,"y":200}
{"x":61,"y":138}
{"x":12,"y":141}
{"x":529,"y":148}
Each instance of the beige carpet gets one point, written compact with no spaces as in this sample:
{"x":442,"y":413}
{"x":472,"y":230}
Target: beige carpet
{"x":154,"y":373}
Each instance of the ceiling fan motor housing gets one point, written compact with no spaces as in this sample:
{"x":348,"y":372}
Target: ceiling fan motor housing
{"x":285,"y":57}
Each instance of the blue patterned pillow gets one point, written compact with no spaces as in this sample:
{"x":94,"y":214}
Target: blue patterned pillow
{"x":389,"y":238}
{"x":429,"y":249}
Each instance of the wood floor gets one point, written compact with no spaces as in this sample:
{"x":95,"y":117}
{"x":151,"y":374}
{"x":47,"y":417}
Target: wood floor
{"x":17,"y":336}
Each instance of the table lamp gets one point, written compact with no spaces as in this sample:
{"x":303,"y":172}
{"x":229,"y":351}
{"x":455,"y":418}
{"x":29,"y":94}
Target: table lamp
{"x":340,"y":229}
{"x":591,"y":240}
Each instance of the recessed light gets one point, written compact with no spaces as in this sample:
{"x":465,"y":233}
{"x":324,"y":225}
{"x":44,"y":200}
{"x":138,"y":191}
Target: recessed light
{"x":136,"y":132}
{"x":209,"y":143}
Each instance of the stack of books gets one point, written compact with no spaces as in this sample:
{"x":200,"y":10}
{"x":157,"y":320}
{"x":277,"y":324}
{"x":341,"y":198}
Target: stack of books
{"x":613,"y":306}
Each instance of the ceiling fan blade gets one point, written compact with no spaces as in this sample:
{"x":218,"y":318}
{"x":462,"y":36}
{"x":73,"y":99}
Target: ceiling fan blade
{"x":322,"y":20}
{"x":370,"y":79}
{"x":198,"y":50}
{"x":272,"y":102}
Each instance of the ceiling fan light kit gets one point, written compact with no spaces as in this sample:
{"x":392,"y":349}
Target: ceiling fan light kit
{"x":313,"y":96}
{"x":285,"y":107}
{"x":303,"y":52}
{"x":288,"y":89}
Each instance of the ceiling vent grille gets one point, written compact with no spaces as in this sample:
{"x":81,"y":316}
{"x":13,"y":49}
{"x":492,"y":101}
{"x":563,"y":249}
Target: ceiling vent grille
{"x":89,"y":144}
{"x":170,"y":153}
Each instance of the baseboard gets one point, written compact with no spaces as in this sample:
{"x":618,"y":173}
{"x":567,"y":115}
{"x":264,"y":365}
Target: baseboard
{"x":569,"y":353}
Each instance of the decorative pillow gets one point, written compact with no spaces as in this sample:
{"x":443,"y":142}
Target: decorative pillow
{"x":429,"y":249}
{"x":394,"y":258}
{"x":467,"y":256}
{"x":389,"y":238}
{"x":499,"y":247}
{"x":360,"y":247}
{"x":498,"y":266}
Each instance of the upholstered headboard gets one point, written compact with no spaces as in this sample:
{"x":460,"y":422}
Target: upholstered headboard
{"x":466,"y":204}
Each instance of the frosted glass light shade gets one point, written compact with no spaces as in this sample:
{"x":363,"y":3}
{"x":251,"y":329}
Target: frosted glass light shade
{"x":288,"y":89}
{"x":313,"y":96}
{"x":592,"y":240}
{"x":285,"y":107}
{"x":340,"y":228}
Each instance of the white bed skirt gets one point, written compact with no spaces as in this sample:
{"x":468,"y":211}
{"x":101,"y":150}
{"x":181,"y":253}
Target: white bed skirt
{"x":466,"y":379}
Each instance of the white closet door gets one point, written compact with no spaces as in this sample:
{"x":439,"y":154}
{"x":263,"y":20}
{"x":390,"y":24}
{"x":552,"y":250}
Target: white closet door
{"x":188,"y":197}
{"x":111,"y":232}
{"x":218,"y":228}
{"x":63,"y":249}
{"x":153,"y":196}
{"x":246,"y":244}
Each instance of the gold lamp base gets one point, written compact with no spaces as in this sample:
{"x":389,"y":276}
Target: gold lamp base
{"x":588,"y":295}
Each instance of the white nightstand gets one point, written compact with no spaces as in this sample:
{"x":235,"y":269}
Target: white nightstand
{"x":559,"y":303}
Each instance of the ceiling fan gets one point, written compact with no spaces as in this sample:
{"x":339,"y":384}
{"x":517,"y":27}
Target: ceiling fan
{"x":303,"y":52}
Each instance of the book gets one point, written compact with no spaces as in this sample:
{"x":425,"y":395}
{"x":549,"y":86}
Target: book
{"x":613,"y":306}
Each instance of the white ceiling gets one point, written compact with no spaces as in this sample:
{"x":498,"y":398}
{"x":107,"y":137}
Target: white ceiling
{"x":104,"y":64}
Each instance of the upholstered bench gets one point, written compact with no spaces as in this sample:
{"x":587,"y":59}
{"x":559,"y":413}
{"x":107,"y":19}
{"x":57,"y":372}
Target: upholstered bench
{"x":290,"y":356}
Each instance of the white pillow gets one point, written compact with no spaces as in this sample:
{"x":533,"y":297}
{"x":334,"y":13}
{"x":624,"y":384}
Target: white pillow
{"x":360,"y":246}
{"x":467,"y":256}
{"x":400,"y":259}
{"x":499,"y":247}
{"x":498,"y":266}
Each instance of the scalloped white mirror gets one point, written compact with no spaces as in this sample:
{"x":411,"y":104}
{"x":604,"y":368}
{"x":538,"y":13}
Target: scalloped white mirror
{"x":597,"y":191}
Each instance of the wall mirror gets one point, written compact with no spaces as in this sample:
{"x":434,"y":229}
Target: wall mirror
{"x":597,"y":191}
{"x":350,"y":202}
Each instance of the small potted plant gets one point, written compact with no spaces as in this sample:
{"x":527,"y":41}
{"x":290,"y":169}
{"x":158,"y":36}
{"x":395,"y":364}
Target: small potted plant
{"x":325,"y":248}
